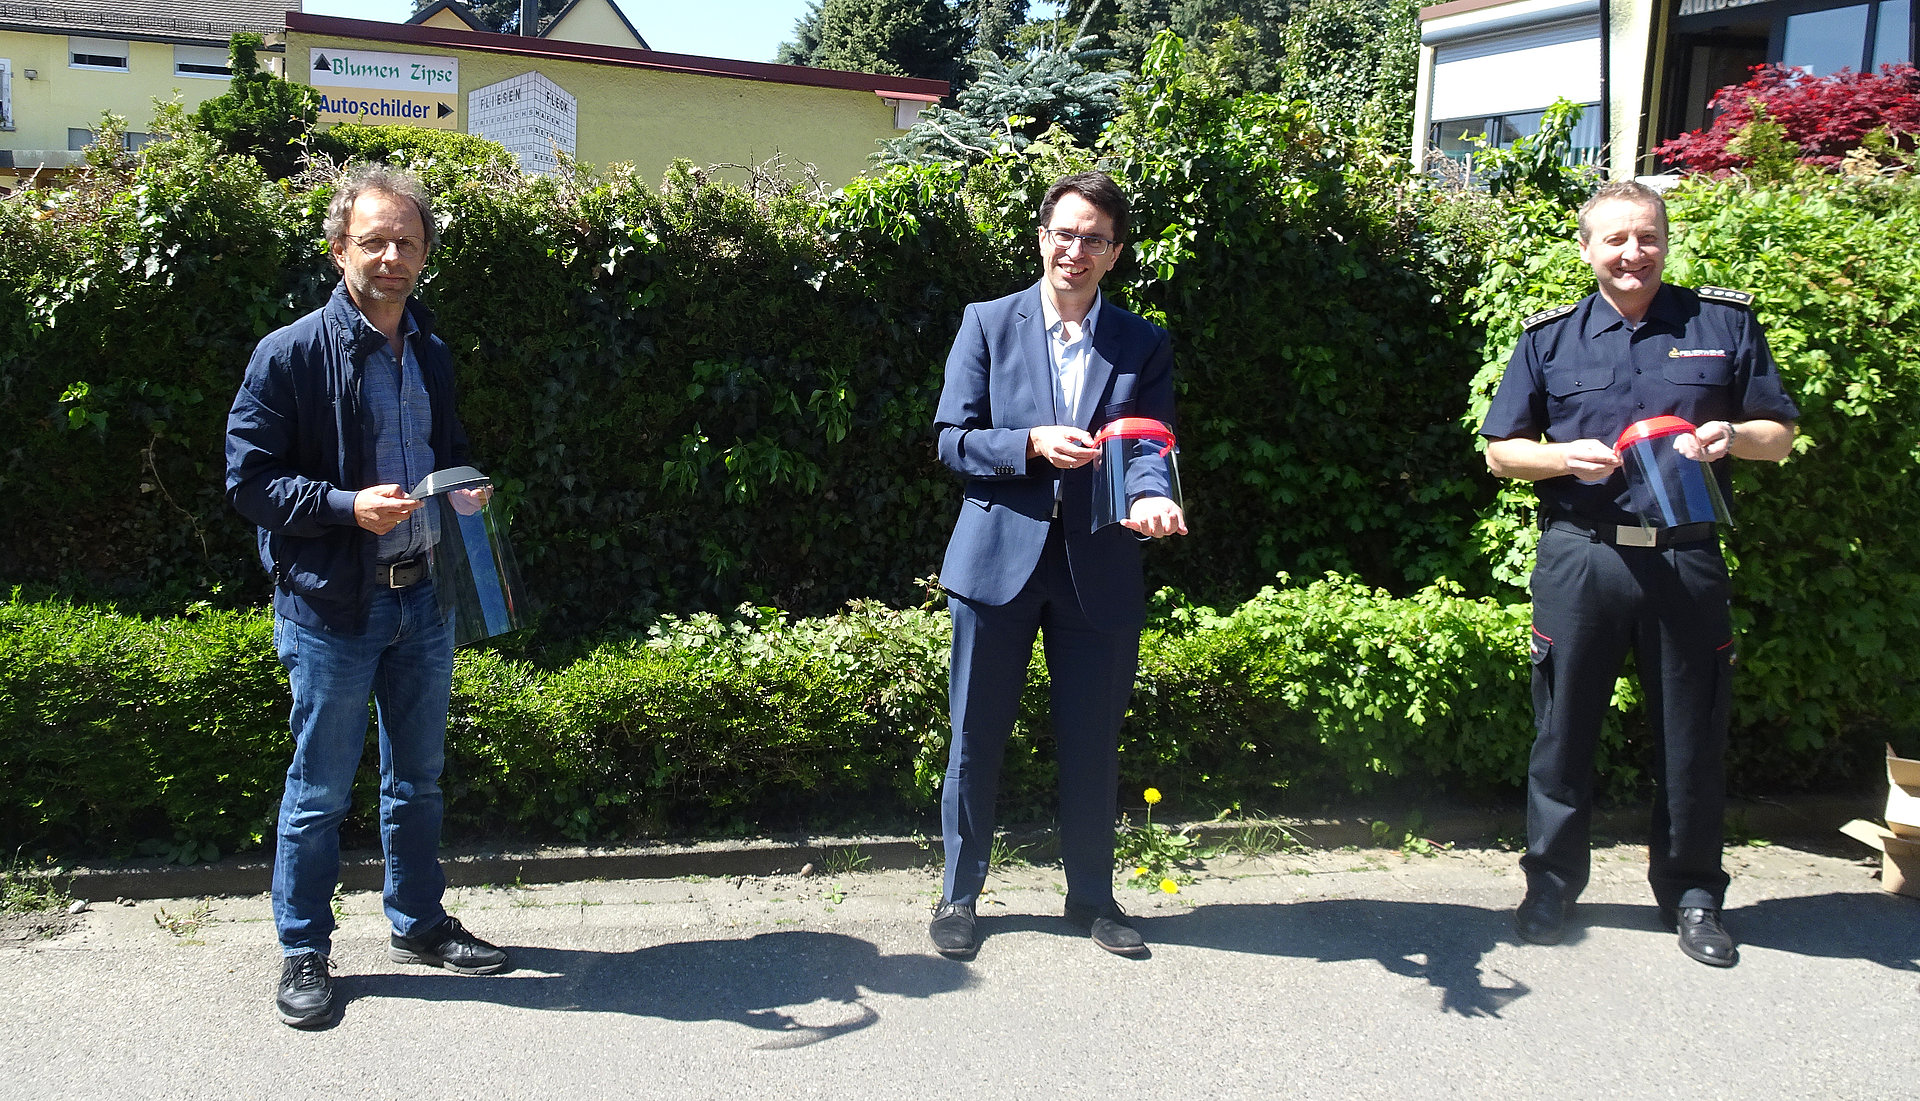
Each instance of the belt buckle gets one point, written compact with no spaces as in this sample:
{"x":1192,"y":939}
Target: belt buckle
{"x":409,"y":568}
{"x":1635,"y":536}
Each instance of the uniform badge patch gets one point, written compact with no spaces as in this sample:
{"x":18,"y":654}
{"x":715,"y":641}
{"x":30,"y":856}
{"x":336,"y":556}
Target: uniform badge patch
{"x":1696,"y":353}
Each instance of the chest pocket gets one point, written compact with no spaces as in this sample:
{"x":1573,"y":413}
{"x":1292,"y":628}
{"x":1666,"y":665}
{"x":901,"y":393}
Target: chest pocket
{"x":1570,"y":379}
{"x":1699,"y":370}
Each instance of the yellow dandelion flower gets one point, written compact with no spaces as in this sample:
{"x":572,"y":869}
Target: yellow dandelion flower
{"x":1152,"y":796}
{"x":1170,"y":886}
{"x":1140,"y":871}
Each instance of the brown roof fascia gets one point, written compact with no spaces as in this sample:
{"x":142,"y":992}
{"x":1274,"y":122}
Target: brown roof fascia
{"x":1458,"y":7}
{"x":488,"y":42}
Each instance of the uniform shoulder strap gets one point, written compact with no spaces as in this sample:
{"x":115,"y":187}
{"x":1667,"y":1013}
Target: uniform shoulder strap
{"x":1544,"y":316}
{"x":1722,"y":294}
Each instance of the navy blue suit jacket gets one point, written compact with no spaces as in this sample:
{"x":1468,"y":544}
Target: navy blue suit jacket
{"x":999,"y":383}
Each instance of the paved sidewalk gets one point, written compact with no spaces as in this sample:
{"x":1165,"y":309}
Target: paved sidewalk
{"x":1362,"y":973}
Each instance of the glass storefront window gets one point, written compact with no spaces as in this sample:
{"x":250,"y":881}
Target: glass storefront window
{"x":1890,"y":42}
{"x":1823,"y":42}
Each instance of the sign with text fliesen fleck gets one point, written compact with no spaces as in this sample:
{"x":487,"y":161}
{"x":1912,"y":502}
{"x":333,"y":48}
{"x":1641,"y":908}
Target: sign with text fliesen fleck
{"x":532,"y":116}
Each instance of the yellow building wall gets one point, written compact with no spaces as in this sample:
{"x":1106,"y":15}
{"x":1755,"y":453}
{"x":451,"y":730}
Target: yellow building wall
{"x":61,"y":97}
{"x":445,"y":20}
{"x":593,"y":21}
{"x":649,"y":118}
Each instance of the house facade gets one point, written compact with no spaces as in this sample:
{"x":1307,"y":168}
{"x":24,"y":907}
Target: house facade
{"x":1646,"y":70}
{"x":63,"y":62}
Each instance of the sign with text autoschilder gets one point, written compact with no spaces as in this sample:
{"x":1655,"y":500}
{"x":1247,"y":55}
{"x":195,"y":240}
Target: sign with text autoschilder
{"x":386,"y":89}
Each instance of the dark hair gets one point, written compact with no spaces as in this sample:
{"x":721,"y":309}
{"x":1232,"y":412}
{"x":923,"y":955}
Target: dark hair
{"x":396,"y":182}
{"x":1632,"y":191}
{"x":1097,"y":188}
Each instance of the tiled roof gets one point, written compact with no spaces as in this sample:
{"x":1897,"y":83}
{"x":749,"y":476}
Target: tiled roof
{"x":198,"y":18}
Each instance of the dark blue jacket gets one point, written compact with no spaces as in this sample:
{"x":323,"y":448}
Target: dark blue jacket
{"x":298,"y":442}
{"x":999,"y":384}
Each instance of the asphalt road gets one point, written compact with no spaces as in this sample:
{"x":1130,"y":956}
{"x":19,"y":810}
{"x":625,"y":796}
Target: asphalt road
{"x":1365,"y":974}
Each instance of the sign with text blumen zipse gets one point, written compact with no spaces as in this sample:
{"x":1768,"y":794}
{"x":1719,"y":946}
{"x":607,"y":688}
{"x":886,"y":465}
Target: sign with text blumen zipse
{"x":383,"y":88}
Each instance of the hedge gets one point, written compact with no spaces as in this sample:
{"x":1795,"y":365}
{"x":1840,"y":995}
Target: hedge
{"x":117,"y":730}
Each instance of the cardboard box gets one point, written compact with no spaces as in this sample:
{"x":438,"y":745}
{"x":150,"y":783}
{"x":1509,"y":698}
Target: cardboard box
{"x":1899,"y":840}
{"x":1903,"y":796}
{"x":1899,"y":857}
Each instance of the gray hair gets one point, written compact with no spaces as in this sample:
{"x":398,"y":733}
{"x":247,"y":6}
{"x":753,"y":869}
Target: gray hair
{"x":396,"y":182}
{"x":1632,"y":191}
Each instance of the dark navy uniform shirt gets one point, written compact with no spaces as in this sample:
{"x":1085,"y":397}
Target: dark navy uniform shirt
{"x":1581,"y":373}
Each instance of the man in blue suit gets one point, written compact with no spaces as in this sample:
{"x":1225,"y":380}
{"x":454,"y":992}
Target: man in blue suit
{"x":1030,"y":378}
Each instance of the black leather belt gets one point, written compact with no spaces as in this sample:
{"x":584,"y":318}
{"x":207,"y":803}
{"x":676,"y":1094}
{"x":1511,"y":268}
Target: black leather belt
{"x":400,"y":575}
{"x":1633,"y":535}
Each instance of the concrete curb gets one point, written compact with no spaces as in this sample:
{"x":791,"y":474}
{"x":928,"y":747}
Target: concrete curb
{"x":1816,"y":819}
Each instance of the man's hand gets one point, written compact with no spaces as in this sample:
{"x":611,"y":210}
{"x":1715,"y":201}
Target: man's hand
{"x":1590,"y":460}
{"x":466,"y":502}
{"x":379,"y":509}
{"x":1156,"y":517}
{"x":1708,"y":443}
{"x":1062,"y":445}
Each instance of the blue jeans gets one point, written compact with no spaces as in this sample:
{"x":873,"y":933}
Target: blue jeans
{"x":404,"y":660}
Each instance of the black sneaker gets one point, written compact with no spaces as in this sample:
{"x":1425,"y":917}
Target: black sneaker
{"x":448,"y":945}
{"x":305,"y":997}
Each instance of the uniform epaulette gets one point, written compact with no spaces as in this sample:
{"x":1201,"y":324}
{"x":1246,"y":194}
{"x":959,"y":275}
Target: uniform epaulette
{"x":1545,"y":316}
{"x":1722,"y":294}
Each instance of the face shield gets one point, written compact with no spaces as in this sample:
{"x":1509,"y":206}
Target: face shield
{"x":475,"y":578}
{"x":1667,"y":483}
{"x":1136,"y":459}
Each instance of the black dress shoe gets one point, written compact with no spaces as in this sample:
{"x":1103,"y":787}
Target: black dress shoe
{"x":448,"y":945}
{"x":1541,"y":918}
{"x":305,"y":996}
{"x":1109,"y":927}
{"x":952,"y":930}
{"x":1703,"y":938}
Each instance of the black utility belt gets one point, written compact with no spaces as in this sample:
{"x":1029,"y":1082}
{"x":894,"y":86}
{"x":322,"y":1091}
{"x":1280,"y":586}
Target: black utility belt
{"x":402,"y":574}
{"x":1634,"y":535}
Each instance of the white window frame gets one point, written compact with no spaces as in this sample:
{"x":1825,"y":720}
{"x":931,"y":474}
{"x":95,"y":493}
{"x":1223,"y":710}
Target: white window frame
{"x":98,"y":47}
{"x":202,"y":56}
{"x":6,"y":93}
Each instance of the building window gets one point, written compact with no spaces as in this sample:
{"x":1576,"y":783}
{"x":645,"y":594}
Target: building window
{"x":97,"y":53}
{"x":1892,"y":34}
{"x":1460,"y":139}
{"x":78,"y":139}
{"x":1823,"y":42}
{"x":6,"y":94}
{"x":209,"y":62}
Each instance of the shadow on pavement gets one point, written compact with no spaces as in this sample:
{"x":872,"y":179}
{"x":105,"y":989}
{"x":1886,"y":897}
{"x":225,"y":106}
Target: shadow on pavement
{"x":754,"y":982}
{"x":1441,"y":943}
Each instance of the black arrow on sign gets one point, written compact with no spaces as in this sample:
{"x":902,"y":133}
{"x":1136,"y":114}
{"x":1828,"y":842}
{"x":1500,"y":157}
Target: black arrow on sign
{"x":444,"y":111}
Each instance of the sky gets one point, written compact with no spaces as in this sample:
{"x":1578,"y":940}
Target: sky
{"x":744,"y":30}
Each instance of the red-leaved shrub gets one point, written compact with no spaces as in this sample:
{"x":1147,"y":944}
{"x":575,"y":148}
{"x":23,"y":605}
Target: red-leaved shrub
{"x":1826,"y":116}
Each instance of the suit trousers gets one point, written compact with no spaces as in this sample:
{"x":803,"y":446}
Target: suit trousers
{"x":1091,"y":669}
{"x":1592,"y":603}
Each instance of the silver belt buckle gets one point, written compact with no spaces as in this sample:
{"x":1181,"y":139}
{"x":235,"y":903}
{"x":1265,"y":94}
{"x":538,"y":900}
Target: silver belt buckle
{"x":1625,"y":536}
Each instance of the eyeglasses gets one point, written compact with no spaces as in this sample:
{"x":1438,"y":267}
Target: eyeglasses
{"x":409,"y":248}
{"x":1062,"y":240}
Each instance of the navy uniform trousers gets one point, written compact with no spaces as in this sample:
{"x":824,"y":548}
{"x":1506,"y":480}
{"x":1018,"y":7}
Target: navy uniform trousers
{"x":1091,"y":669}
{"x":1592,"y":603}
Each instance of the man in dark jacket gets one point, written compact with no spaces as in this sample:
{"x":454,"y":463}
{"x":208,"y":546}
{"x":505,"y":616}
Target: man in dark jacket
{"x":339,"y":413}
